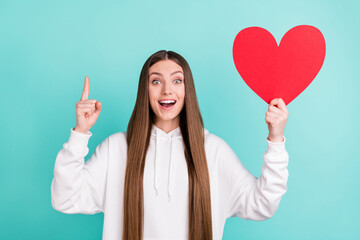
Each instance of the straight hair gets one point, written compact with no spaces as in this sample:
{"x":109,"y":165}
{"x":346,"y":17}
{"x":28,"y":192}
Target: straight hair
{"x":138,"y":138}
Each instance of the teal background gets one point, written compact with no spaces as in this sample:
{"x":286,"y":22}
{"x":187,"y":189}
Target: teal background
{"x":47,"y":47}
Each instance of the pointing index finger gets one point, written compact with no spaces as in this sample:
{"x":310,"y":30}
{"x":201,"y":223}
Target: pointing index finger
{"x":85,"y":93}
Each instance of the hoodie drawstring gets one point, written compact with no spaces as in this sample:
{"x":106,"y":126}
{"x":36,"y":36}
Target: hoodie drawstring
{"x":173,"y":141}
{"x":156,"y":181}
{"x":170,"y":169}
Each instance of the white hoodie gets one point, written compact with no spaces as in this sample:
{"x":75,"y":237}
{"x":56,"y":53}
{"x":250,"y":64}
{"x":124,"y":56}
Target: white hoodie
{"x":97,"y":184}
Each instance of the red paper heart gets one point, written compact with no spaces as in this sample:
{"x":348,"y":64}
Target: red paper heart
{"x":273,"y":71}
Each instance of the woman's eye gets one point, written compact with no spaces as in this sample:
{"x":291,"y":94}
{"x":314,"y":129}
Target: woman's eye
{"x":178,"y":80}
{"x":155,"y":81}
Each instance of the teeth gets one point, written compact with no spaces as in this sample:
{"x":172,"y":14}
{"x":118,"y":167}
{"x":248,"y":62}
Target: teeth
{"x":167,"y":101}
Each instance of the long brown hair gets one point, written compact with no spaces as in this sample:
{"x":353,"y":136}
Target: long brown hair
{"x":138,"y":138}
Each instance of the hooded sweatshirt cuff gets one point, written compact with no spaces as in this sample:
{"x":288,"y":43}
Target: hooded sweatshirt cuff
{"x":276,"y":146}
{"x":79,"y":139}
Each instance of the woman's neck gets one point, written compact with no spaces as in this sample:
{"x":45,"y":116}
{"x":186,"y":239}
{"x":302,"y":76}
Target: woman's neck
{"x":167,"y":126}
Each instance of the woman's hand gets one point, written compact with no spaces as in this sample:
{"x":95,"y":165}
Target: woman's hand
{"x":276,"y":118}
{"x":87,"y":111}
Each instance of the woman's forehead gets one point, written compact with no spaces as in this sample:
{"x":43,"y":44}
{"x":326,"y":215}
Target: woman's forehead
{"x":165,"y":66}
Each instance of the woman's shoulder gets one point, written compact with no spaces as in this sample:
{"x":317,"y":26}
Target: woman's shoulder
{"x":216,"y":148}
{"x":117,"y":137}
{"x":212,"y":140}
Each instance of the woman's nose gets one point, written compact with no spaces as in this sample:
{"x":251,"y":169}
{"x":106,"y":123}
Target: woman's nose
{"x":167,"y":88}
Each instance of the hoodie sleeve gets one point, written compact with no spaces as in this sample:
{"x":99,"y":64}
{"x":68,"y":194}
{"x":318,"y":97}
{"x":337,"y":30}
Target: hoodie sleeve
{"x":79,"y":187}
{"x":249,"y":197}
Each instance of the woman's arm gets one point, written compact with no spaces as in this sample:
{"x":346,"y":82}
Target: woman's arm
{"x":258,"y":198}
{"x":79,"y":187}
{"x":254,"y":198}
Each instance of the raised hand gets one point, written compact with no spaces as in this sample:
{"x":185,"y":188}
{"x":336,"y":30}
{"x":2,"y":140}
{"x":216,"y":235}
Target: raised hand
{"x":276,"y":118}
{"x":87,"y":110}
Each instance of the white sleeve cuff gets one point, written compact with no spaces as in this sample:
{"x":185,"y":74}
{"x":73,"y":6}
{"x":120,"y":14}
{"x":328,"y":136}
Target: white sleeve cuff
{"x":276,"y":146}
{"x":79,"y":139}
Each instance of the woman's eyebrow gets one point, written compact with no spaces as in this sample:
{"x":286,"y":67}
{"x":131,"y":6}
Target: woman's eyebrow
{"x":170,"y":74}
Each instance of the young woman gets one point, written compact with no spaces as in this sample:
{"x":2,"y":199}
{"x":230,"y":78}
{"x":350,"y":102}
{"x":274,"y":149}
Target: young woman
{"x":167,"y":177}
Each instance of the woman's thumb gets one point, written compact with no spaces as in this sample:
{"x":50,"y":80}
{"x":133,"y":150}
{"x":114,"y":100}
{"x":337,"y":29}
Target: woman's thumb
{"x":98,"y":107}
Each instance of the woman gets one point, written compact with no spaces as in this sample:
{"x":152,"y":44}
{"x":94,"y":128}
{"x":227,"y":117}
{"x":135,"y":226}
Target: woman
{"x":167,"y":177}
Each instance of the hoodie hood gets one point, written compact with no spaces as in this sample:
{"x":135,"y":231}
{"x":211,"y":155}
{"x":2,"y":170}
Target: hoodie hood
{"x":174,"y":137}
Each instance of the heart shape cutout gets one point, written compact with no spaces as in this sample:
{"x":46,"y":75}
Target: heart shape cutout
{"x":273,"y":71}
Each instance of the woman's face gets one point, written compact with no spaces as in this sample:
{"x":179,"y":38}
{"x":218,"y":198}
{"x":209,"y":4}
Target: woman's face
{"x":166,"y":92}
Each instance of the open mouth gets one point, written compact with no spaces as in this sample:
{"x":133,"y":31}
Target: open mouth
{"x":167,"y":103}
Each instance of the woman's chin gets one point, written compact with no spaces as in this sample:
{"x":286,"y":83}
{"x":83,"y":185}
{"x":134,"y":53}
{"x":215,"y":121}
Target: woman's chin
{"x":167,"y":117}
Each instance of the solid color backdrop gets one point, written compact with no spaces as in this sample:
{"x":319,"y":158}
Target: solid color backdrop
{"x":47,"y":48}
